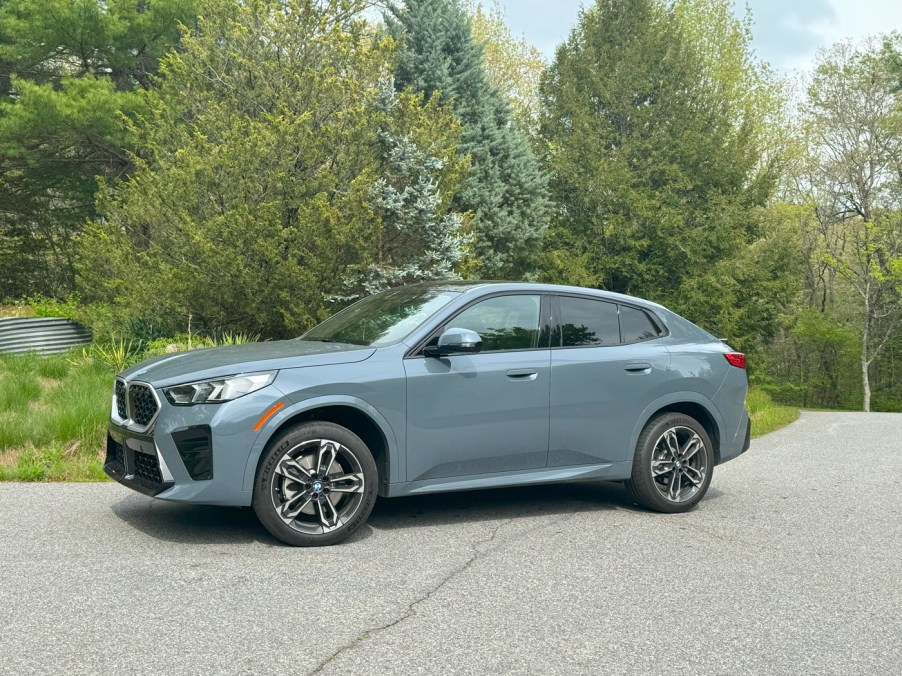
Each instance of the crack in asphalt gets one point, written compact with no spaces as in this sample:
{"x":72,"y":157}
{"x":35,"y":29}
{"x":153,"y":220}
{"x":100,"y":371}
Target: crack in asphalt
{"x":478,"y":552}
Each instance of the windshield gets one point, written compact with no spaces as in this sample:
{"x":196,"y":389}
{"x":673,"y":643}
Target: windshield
{"x":382,"y":319}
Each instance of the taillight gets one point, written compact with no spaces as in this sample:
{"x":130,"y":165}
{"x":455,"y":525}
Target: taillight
{"x":736,"y":359}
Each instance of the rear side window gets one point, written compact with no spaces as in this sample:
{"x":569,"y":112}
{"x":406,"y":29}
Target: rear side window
{"x":636,"y":325}
{"x":588,"y":322}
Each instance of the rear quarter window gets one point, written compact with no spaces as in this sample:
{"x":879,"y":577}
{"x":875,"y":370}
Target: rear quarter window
{"x":636,"y":325}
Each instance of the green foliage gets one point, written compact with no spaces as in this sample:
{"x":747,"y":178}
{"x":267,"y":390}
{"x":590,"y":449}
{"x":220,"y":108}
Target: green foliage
{"x":117,"y":355}
{"x":512,"y":65}
{"x":743,"y":297}
{"x":654,"y":144}
{"x":253,"y":194}
{"x":814,"y":362}
{"x":765,"y":414}
{"x":240,"y":338}
{"x":69,"y":77}
{"x":419,"y":240}
{"x":504,"y":189}
{"x":41,"y":306}
{"x":852,"y":127}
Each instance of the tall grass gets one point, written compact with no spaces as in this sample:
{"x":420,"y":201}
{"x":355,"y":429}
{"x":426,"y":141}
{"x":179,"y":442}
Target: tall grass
{"x":767,"y":415}
{"x":18,"y":390}
{"x":53,"y":414}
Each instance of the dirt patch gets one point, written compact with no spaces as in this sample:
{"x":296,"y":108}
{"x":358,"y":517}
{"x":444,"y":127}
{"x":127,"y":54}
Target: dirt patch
{"x":9,"y":457}
{"x":16,"y":311}
{"x":49,"y":383}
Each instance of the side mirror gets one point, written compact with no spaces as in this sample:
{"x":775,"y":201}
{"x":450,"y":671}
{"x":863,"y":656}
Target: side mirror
{"x":455,"y":341}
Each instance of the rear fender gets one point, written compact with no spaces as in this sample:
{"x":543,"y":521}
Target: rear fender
{"x":666,"y":400}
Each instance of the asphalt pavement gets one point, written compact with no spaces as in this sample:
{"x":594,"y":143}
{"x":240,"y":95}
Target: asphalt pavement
{"x":791,"y":565}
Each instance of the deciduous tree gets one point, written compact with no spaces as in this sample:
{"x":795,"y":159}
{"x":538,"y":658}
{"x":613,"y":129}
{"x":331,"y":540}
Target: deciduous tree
{"x":512,"y":64}
{"x":853,"y":184}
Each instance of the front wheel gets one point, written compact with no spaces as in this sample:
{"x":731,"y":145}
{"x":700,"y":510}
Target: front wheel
{"x":673,"y":464}
{"x":316,"y":484}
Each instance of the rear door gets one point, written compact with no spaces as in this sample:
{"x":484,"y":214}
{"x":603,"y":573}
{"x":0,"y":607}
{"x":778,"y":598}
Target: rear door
{"x":608,"y":363}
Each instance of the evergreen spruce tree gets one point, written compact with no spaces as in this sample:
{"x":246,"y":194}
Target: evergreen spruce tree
{"x":505,"y":189}
{"x":419,"y":239}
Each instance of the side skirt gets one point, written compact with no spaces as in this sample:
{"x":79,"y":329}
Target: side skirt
{"x":616,"y":471}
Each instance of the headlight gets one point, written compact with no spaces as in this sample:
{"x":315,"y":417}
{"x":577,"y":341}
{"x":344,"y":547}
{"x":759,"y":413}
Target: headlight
{"x":219,"y":390}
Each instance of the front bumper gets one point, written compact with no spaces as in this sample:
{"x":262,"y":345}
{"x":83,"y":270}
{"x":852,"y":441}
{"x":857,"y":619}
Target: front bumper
{"x":198,"y":454}
{"x":133,"y":460}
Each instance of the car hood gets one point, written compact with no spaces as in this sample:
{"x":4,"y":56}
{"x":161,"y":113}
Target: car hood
{"x":183,"y":367}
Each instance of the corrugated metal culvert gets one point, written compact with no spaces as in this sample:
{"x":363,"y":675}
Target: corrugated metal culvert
{"x":44,"y":335}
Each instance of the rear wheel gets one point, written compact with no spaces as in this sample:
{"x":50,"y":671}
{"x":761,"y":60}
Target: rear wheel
{"x":673,"y":464}
{"x":315,"y":485}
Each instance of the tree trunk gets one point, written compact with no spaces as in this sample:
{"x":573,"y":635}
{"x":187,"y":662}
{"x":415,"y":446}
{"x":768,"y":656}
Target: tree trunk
{"x":865,"y":362}
{"x":866,"y":383}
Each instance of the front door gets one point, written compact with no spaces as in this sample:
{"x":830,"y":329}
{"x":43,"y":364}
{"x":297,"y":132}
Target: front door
{"x":471,"y":414}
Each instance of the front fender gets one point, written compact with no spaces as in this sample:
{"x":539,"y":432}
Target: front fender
{"x":275,"y":422}
{"x":667,"y":400}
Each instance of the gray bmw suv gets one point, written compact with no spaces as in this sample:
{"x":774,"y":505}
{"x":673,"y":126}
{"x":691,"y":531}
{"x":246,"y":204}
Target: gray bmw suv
{"x":435,"y":387}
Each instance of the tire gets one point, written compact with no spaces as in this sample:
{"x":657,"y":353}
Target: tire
{"x":668,"y":480}
{"x":316,"y":484}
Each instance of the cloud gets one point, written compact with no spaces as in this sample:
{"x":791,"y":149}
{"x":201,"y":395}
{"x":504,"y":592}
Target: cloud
{"x":544,"y":23}
{"x":788,"y":33}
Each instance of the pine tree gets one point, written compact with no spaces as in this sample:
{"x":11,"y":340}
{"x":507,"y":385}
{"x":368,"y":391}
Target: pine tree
{"x":70,"y":73}
{"x":505,"y":189}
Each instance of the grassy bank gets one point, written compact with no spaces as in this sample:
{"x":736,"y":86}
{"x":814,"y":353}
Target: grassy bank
{"x":53,"y":413}
{"x":767,"y":415}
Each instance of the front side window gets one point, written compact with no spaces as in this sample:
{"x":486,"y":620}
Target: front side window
{"x":503,"y":322}
{"x":586,"y":322}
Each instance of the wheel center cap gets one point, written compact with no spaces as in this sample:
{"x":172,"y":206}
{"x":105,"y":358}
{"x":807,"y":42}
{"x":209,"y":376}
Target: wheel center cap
{"x":678,"y":464}
{"x":317,"y":486}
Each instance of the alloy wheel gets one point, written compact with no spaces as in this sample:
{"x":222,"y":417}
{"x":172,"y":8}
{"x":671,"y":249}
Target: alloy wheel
{"x":317,"y":486}
{"x":679,"y":464}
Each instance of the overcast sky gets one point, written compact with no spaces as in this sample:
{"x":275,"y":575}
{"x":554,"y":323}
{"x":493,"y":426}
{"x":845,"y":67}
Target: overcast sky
{"x":787,"y":32}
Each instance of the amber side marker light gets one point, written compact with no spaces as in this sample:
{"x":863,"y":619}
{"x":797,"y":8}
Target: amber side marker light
{"x":269,"y":414}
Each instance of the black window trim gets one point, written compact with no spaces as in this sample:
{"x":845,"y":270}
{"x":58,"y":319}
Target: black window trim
{"x":545,"y":325}
{"x":660,"y":325}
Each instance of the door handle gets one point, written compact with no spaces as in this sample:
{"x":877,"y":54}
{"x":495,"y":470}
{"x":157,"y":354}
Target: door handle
{"x":522,"y":374}
{"x":638,"y":367}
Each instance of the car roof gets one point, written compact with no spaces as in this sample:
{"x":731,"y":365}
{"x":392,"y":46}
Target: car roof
{"x":487,"y":286}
